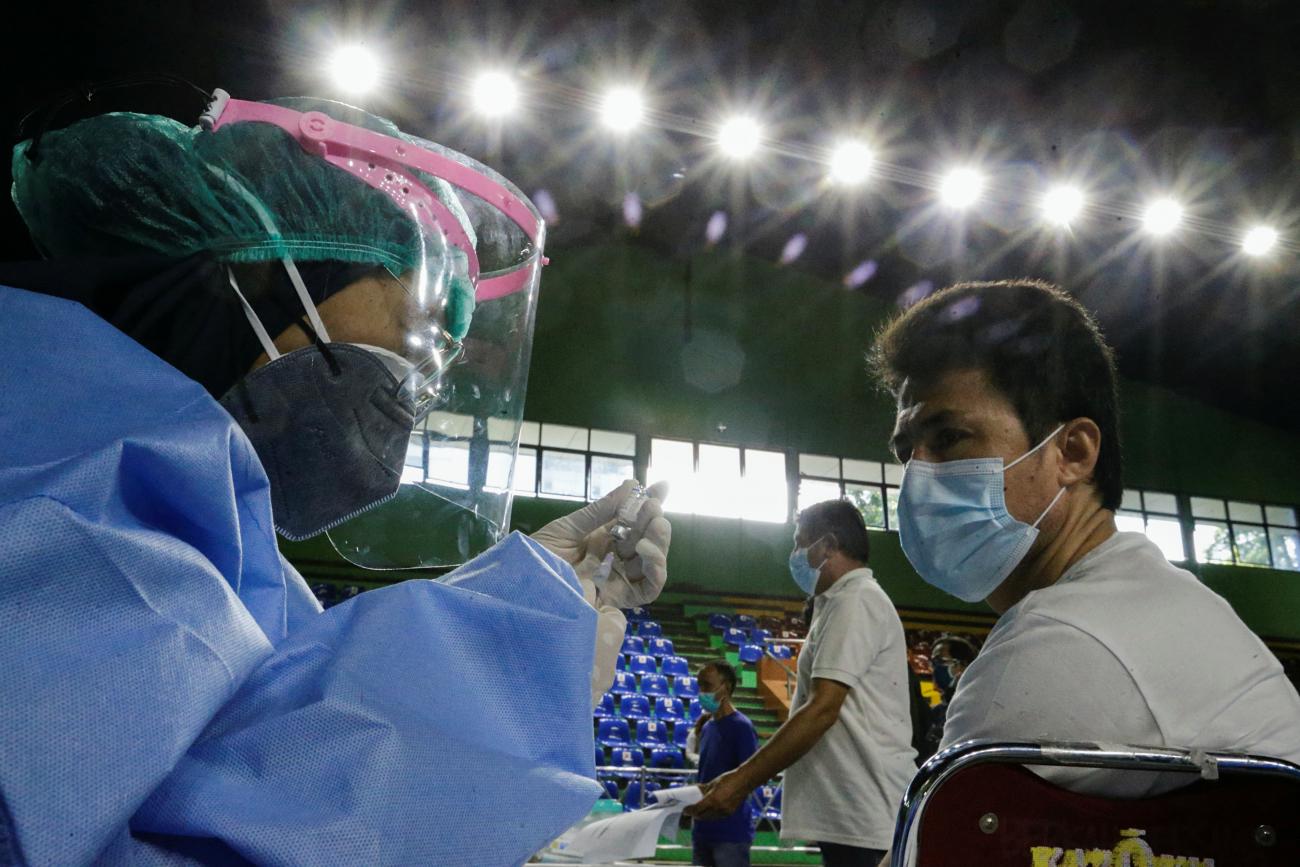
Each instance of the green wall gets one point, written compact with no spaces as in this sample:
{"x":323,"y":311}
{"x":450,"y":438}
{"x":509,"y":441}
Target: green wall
{"x":630,"y":340}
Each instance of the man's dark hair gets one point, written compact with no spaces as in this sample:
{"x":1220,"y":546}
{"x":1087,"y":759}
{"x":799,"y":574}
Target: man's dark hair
{"x":841,"y":519}
{"x":725,"y":670}
{"x":1036,"y":344}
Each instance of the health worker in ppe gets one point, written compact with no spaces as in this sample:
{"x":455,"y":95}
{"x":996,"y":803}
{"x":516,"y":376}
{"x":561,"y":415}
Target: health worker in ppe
{"x":288,"y":317}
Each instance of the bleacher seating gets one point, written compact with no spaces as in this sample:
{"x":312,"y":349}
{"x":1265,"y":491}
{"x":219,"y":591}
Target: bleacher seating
{"x":680,"y":731}
{"x":696,"y":709}
{"x":606,"y":709}
{"x":720,"y":622}
{"x":675,"y":666}
{"x":669,"y":709}
{"x":610,"y":789}
{"x":660,"y":647}
{"x":633,"y":798}
{"x":651,"y":733}
{"x":654,"y":685}
{"x":642,"y":664}
{"x":744,"y":621}
{"x":627,"y":757}
{"x":735,"y":637}
{"x":780,"y":651}
{"x":750,"y":654}
{"x":759,"y":636}
{"x":633,"y":645}
{"x":613,"y":733}
{"x":686,"y":687}
{"x":600,"y":757}
{"x":624,"y":683}
{"x":636,"y":615}
{"x":634,"y":707}
{"x":666,"y":757}
{"x":620,"y":663}
{"x":650,"y":629}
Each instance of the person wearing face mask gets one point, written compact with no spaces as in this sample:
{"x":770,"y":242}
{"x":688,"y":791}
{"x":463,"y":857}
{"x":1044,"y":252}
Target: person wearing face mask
{"x":1008,"y":425}
{"x":259,"y":324}
{"x":949,"y":657}
{"x":846,"y":748}
{"x":726,"y":740}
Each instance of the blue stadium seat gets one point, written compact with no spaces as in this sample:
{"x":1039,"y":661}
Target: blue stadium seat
{"x":637,"y":615}
{"x":735,"y":637}
{"x":780,"y":651}
{"x":751,"y":653}
{"x":680,"y":731}
{"x":633,"y":645}
{"x":666,"y":757}
{"x":651,"y":733}
{"x":675,"y":666}
{"x":720,"y":622}
{"x":634,"y":707}
{"x":606,"y":709}
{"x":696,"y":710}
{"x":669,"y":709}
{"x":624,"y":683}
{"x":769,"y":803}
{"x":661,"y":647}
{"x":611,"y":789}
{"x":744,"y":621}
{"x":629,"y":629}
{"x":600,"y":757}
{"x":642,"y":664}
{"x":686,"y":687}
{"x":629,"y":757}
{"x":759,"y":636}
{"x":620,"y":663}
{"x":613,"y":733}
{"x":632,"y":798}
{"x":650,"y":629}
{"x":654,"y":685}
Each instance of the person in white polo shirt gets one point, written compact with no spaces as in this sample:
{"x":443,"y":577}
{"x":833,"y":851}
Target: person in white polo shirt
{"x":847,"y":747}
{"x":1008,"y":424}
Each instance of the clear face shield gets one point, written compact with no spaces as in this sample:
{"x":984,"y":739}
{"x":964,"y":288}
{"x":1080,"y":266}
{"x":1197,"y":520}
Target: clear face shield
{"x":454,"y":329}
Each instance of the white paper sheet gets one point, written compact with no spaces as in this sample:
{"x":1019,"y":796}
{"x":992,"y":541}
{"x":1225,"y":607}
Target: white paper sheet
{"x":634,"y":834}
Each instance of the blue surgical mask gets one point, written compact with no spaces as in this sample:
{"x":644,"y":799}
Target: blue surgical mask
{"x":954,"y":525}
{"x":709,"y":702}
{"x":803,"y":572}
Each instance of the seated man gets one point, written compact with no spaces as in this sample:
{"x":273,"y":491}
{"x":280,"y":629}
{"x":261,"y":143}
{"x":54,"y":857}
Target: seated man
{"x":1008,"y":424}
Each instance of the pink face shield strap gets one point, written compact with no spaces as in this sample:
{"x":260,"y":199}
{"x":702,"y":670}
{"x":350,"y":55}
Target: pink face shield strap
{"x":381,"y":162}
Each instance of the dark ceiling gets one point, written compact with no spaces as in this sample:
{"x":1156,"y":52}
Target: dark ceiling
{"x":1131,"y":98}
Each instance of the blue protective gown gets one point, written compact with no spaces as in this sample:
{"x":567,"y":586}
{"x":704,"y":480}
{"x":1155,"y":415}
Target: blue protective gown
{"x":172,"y":692}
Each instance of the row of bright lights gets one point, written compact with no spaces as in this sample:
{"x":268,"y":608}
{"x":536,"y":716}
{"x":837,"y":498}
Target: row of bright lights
{"x":495,"y":94}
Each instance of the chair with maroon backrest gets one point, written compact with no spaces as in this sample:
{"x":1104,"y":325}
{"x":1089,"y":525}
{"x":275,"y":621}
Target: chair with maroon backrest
{"x":977,"y":804}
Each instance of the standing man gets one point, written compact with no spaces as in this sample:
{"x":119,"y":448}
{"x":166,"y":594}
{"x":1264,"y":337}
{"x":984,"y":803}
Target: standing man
{"x":846,"y":748}
{"x":725,"y":742}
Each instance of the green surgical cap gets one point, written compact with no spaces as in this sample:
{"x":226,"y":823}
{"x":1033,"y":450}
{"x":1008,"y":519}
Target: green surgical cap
{"x":126,"y":183}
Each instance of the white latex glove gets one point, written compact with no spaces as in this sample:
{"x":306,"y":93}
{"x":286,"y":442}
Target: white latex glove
{"x":635,"y":573}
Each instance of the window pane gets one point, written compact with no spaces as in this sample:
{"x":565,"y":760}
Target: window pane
{"x":1280,"y":516}
{"x":529,"y":433}
{"x":1130,"y":522}
{"x":498,"y":468}
{"x":870,"y":501}
{"x":1164,"y":503}
{"x":673,"y":461}
{"x":1286,"y":549}
{"x":1207,"y":508}
{"x":1212,"y":542}
{"x":613,"y":443}
{"x":894,"y":474}
{"x":501,"y":430}
{"x":812,"y":491}
{"x":1167,"y":533}
{"x":891,"y":506}
{"x":560,"y":436}
{"x":764,"y":496}
{"x":448,"y":425}
{"x":564,"y":475}
{"x":717,"y":480}
{"x":526,"y":472}
{"x":1251,"y":512}
{"x":1132,"y":500}
{"x":449,"y":464}
{"x":1251,"y":544}
{"x":607,"y":474}
{"x":862,"y":471}
{"x":819,"y":465}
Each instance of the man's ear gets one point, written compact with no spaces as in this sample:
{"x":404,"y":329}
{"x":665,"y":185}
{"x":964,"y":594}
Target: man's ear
{"x":1080,"y":445}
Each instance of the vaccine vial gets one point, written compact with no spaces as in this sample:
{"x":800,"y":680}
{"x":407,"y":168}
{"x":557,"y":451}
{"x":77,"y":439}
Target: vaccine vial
{"x":625,"y":519}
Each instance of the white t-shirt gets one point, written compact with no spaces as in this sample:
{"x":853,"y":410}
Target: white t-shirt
{"x":1127,"y":648}
{"x":847,"y":788}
